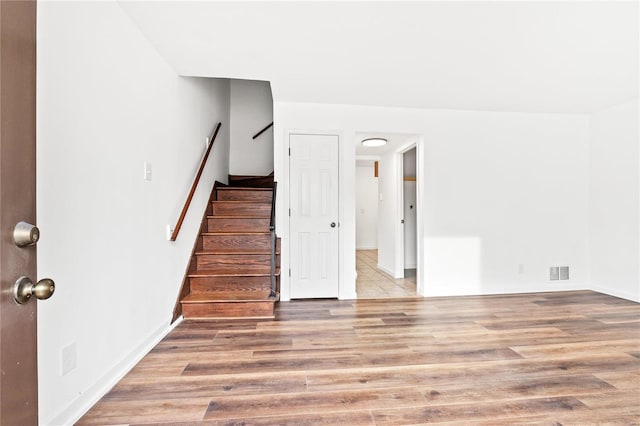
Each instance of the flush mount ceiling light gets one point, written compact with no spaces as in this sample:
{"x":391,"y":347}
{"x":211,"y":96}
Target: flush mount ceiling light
{"x":374,"y":142}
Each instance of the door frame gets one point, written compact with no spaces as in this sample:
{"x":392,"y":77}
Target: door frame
{"x":418,"y":144}
{"x":399,"y":213}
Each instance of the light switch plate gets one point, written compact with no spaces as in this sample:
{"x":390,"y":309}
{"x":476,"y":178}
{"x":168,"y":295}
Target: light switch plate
{"x":148,"y":171}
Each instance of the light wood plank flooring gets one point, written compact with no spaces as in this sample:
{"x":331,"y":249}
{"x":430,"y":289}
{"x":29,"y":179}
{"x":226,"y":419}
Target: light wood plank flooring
{"x":547,"y":358}
{"x":372,"y":283}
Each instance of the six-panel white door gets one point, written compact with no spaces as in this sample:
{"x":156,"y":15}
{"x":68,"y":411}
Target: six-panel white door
{"x":313,"y":226}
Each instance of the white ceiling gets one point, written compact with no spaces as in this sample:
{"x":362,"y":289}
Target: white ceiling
{"x":567,"y":57}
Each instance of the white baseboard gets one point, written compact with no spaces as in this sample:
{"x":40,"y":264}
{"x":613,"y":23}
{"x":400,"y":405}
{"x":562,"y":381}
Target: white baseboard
{"x":616,"y":293}
{"x":74,"y":411}
{"x":411,"y":266}
{"x":350,"y":295}
{"x":367,"y":248}
{"x":497,"y":290}
{"x":386,"y":271}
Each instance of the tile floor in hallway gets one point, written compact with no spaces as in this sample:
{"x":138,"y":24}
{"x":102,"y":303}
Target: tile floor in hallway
{"x":372,"y":283}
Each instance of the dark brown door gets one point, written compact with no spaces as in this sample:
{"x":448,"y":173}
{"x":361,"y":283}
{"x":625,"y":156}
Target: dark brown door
{"x":18,"y":355}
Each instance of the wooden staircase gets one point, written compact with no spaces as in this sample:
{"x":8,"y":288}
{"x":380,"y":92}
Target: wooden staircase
{"x":230,"y":274}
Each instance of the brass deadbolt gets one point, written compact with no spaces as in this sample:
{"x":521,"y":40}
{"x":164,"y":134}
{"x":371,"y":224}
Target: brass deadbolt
{"x":25,"y":234}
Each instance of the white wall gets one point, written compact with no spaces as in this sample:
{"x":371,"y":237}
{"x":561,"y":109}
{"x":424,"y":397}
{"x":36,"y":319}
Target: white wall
{"x":366,"y":208}
{"x":107,"y":103}
{"x":614,"y":227}
{"x":389,"y":248}
{"x":251,"y":111}
{"x":499,"y":190}
{"x":505,"y":190}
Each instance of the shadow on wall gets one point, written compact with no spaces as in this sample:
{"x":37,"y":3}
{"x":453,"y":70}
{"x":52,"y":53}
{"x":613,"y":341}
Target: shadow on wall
{"x":458,"y":266}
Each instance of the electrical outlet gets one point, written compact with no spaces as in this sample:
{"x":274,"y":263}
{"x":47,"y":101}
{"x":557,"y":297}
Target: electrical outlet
{"x":68,"y":359}
{"x":564,"y":272}
{"x":554,"y":273}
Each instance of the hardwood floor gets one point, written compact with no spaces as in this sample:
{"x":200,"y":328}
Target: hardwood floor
{"x":545,"y":358}
{"x":375,"y":284}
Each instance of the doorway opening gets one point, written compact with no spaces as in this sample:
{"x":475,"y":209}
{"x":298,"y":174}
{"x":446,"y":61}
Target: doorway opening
{"x":410,"y":209}
{"x":383,"y":227}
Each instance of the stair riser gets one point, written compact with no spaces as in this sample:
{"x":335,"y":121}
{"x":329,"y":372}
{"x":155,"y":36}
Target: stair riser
{"x":234,"y":241}
{"x":241,"y":209}
{"x":238,"y":225}
{"x":230,"y":283}
{"x":243,"y":195}
{"x":237,"y":262}
{"x":228,"y":310}
{"x":251,"y":181}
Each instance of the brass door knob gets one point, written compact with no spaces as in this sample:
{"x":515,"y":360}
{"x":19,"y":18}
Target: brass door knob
{"x":24,"y":288}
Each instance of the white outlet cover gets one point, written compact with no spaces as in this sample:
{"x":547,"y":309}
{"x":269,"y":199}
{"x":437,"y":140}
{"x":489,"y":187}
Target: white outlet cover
{"x":68,"y":359}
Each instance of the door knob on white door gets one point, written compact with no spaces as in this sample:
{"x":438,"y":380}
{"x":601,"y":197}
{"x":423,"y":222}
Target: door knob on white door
{"x":24,"y":288}
{"x":333,"y":224}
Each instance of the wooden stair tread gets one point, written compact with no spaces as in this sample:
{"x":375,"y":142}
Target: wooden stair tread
{"x":207,"y":297}
{"x":235,"y":251}
{"x":243,"y":188}
{"x":262,"y":203}
{"x":241,"y":208}
{"x":237,"y":233}
{"x":244,"y":177}
{"x":226,"y":216}
{"x":235,"y":272}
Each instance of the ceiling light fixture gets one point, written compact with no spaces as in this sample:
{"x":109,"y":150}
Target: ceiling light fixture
{"x":372,"y":142}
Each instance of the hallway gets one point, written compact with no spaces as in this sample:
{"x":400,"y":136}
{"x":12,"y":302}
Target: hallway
{"x":375,"y":284}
